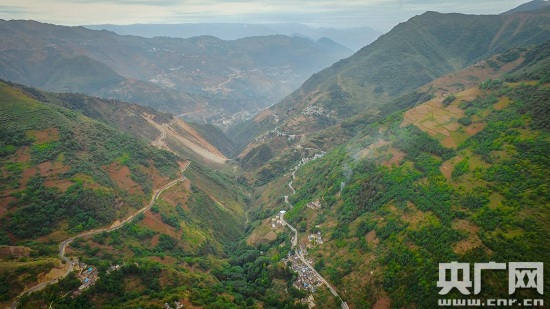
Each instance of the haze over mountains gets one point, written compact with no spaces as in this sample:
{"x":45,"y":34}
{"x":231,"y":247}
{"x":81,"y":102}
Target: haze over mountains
{"x":411,"y":55}
{"x":529,"y":6}
{"x":352,"y":38}
{"x":429,"y":145}
{"x":204,"y":78}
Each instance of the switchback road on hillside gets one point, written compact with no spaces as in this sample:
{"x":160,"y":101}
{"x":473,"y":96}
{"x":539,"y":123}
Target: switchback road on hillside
{"x":115,"y":226}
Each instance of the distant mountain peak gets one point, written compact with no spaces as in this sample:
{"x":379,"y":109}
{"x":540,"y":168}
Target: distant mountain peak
{"x":529,"y":6}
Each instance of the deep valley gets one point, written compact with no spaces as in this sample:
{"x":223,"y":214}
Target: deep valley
{"x":273,"y":171}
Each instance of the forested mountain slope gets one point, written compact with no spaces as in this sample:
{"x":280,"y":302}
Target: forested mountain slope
{"x":461,"y":177}
{"x":409,"y":56}
{"x":157,"y":128}
{"x":63,"y":173}
{"x":379,"y":79}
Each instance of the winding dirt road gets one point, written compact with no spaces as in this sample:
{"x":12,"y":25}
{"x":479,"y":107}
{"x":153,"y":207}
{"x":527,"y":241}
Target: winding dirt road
{"x":115,"y":226}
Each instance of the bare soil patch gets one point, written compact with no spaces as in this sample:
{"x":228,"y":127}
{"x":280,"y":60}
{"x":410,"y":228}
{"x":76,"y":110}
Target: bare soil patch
{"x":435,"y":119}
{"x":9,"y":252}
{"x":54,"y":273}
{"x":62,"y":184}
{"x":23,"y":155}
{"x":372,"y":238}
{"x":158,"y":180}
{"x":261,"y":116}
{"x":368,"y":150}
{"x":50,"y":168}
{"x":260,"y":234}
{"x":449,"y":142}
{"x":175,"y":195}
{"x":270,"y":236}
{"x":155,"y":240}
{"x":196,"y":142}
{"x":121,"y":175}
{"x":154,"y":222}
{"x":48,"y":135}
{"x":27,"y":175}
{"x":465,"y":225}
{"x":472,"y":241}
{"x":4,"y":203}
{"x":383,"y":302}
{"x":168,"y":260}
{"x":475,"y":128}
{"x":413,"y":216}
{"x":397,"y":156}
{"x":469,"y":94}
{"x":448,"y":166}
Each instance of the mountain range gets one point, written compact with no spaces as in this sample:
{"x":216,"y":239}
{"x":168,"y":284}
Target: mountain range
{"x":375,"y":79}
{"x":429,"y":145}
{"x":201,"y":78}
{"x":352,"y":38}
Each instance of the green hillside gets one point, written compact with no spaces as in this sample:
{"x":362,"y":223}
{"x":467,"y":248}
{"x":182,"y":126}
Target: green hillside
{"x":430,"y":145}
{"x":424,"y":48}
{"x":457,"y":178}
{"x":44,"y":143}
{"x":334,"y":104}
{"x":192,"y":141}
{"x":216,"y":137}
{"x":63,"y":173}
{"x":409,"y":56}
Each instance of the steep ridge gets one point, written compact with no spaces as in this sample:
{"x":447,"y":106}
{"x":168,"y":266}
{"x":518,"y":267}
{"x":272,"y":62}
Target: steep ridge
{"x":352,"y":38}
{"x":204,"y":78}
{"x":143,"y":122}
{"x":529,"y":6}
{"x":461,"y":177}
{"x":179,"y":134}
{"x":369,"y":82}
{"x":64,"y":174}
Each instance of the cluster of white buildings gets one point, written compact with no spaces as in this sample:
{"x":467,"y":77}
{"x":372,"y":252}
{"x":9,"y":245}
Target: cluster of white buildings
{"x":177,"y":305}
{"x":278,"y":220}
{"x":314,"y":205}
{"x":307,"y":279}
{"x":313,"y":110}
{"x":315,"y":238}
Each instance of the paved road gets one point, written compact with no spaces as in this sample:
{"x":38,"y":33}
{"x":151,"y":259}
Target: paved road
{"x":298,"y":251}
{"x":295,"y":238}
{"x":291,"y":188}
{"x":115,"y":226}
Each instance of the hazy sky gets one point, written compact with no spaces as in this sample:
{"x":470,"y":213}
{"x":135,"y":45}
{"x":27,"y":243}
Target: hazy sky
{"x":379,"y":14}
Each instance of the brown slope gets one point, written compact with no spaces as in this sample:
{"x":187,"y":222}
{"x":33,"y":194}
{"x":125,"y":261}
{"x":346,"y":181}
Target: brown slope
{"x":178,"y":134}
{"x":162,"y":130}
